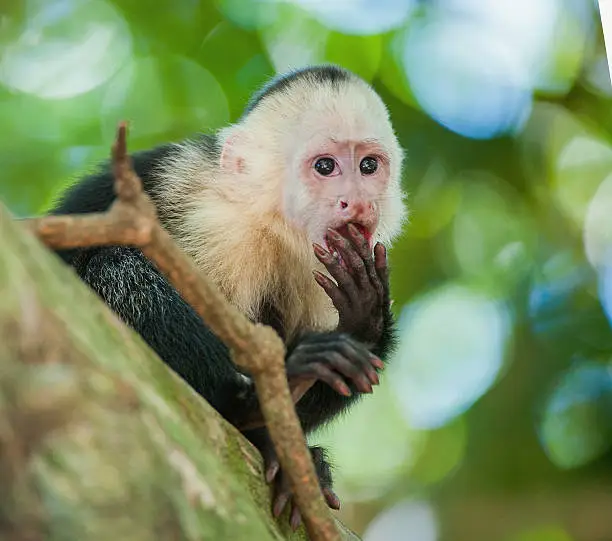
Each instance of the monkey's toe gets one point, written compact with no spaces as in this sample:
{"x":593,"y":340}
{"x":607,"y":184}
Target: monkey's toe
{"x":296,"y":517}
{"x":281,"y":499}
{"x":331,"y":498}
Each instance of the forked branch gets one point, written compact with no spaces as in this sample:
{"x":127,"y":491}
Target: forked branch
{"x":132,"y":220}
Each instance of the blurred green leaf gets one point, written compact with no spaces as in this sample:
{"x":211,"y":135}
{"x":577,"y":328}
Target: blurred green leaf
{"x":359,"y":54}
{"x":164,"y":96}
{"x":577,"y":421}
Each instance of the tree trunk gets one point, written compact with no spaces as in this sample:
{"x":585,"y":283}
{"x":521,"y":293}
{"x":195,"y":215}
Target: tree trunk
{"x":99,"y":440}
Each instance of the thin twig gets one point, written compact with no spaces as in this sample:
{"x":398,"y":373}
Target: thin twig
{"x":132,"y":220}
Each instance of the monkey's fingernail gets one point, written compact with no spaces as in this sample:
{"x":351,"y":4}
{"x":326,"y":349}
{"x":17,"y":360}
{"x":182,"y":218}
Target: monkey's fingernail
{"x":296,"y":519}
{"x":330,"y":497}
{"x":323,"y":255}
{"x":319,"y":277}
{"x":272,"y":471}
{"x":318,"y":249}
{"x":374,"y":378}
{"x":378,"y":363}
{"x":342,"y":388}
{"x":334,"y":234}
{"x":280,"y":503}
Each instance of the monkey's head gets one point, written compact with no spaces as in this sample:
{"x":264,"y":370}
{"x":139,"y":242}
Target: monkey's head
{"x":317,"y":146}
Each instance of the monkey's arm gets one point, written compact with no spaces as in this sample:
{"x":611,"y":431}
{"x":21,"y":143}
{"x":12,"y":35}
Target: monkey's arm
{"x":129,"y":283}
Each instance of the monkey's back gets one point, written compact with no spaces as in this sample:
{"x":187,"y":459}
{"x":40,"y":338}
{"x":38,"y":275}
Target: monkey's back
{"x":138,"y":293}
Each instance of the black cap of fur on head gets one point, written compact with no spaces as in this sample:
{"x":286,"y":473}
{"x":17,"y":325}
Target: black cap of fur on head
{"x":329,"y":74}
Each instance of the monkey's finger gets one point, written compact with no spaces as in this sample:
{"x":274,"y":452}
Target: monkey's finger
{"x":331,"y":498}
{"x":336,"y":295}
{"x":355,"y":350}
{"x":281,"y":500}
{"x":351,"y":257}
{"x":345,"y":281}
{"x":352,"y":371}
{"x":319,"y":344}
{"x":353,"y":364}
{"x":359,"y":242}
{"x":321,"y":372}
{"x":296,"y":516}
{"x":364,"y":353}
{"x":363,"y":248}
{"x":272,"y":468}
{"x":334,"y":380}
{"x":382,"y":269}
{"x":344,"y":345}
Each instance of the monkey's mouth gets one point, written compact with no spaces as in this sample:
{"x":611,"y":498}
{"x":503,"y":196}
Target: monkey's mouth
{"x":343,"y":230}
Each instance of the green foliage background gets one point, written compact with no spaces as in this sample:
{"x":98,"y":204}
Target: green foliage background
{"x":509,"y":234}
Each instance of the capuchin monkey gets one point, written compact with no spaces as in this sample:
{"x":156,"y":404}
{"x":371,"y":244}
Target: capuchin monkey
{"x":288,"y":212}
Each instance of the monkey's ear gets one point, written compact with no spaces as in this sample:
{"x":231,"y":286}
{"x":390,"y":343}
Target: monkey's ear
{"x":233,"y":153}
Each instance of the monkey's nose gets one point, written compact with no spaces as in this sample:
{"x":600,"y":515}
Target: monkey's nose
{"x":357,"y":210}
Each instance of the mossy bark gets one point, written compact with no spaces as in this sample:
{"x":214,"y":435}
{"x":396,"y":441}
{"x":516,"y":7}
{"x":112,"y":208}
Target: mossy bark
{"x":98,"y":438}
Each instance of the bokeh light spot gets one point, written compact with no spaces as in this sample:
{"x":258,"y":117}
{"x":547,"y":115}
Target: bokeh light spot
{"x":553,"y":289}
{"x":543,"y":533}
{"x":581,"y":165}
{"x":547,"y":37}
{"x":452,"y":345}
{"x":442,"y":453}
{"x":605,"y":287}
{"x":362,"y":17}
{"x":576,"y":427}
{"x":407,"y":520}
{"x":295,"y":40}
{"x":66,"y":48}
{"x":164,"y":95}
{"x":472,"y":82}
{"x":436,"y":199}
{"x":378,"y":425}
{"x":598,"y":225}
{"x":492,"y":234}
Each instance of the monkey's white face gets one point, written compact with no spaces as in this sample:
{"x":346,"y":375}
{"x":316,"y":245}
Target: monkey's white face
{"x":341,"y":182}
{"x":327,"y":156}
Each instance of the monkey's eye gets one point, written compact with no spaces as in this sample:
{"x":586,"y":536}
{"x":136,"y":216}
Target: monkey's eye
{"x":368,"y":165}
{"x":325,"y":166}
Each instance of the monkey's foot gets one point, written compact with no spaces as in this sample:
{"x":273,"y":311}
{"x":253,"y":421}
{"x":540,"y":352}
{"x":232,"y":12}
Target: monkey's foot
{"x":282,"y":490}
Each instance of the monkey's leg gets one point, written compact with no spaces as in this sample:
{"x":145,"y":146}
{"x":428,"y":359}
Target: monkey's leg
{"x":283,"y":490}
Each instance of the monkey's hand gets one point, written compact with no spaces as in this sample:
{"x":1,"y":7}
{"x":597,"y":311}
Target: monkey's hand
{"x":282,"y":494}
{"x":334,"y":358}
{"x":361,"y":294}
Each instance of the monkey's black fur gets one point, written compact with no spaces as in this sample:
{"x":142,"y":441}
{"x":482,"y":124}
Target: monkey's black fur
{"x":326,"y":74}
{"x":131,"y":286}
